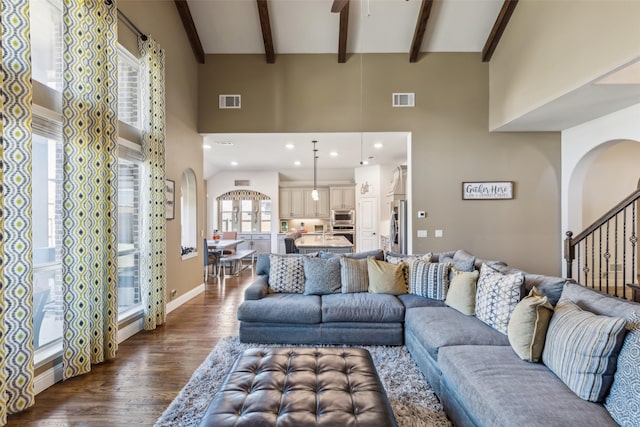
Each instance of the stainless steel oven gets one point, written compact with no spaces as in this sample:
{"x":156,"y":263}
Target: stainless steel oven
{"x":348,"y":231}
{"x":342,"y":217}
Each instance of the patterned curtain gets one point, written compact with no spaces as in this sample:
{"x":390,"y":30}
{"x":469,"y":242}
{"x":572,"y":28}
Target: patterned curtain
{"x":90,"y":138}
{"x":153,"y":273}
{"x":16,"y":263}
{"x":243,"y":195}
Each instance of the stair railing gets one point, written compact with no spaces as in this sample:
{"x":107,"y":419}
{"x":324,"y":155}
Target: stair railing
{"x":604,"y":255}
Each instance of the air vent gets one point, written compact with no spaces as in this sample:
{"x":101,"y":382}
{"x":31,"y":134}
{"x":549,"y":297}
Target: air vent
{"x":404,"y":99}
{"x":242,"y":183}
{"x":229,"y":101}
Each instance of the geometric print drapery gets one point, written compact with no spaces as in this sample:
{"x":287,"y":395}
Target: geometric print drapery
{"x":153,"y":271}
{"x":243,"y":195}
{"x":89,"y":197}
{"x":16,"y":267}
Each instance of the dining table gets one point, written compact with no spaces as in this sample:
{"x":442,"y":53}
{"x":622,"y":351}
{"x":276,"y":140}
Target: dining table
{"x":221,"y":244}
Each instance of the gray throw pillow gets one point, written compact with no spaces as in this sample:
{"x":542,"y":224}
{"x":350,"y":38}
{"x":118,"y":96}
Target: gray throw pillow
{"x":322,"y":276}
{"x":354,"y":275}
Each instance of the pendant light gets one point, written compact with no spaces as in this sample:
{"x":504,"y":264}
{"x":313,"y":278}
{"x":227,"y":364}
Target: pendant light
{"x":314,"y":193}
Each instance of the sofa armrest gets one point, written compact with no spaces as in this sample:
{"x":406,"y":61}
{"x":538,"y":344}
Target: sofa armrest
{"x":257,"y":290}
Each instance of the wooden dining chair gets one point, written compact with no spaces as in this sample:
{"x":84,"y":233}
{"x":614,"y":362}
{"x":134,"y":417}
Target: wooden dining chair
{"x":230,"y":235}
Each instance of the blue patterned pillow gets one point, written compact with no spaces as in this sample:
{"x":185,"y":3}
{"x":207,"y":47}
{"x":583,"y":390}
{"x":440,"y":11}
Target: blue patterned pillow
{"x":623,"y":402}
{"x":286,"y":274}
{"x":429,"y":279}
{"x":322,"y":276}
{"x":582,"y":348}
{"x":497,"y":297}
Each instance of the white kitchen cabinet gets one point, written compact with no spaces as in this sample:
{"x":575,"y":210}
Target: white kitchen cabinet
{"x":297,"y":203}
{"x":260,"y":242}
{"x":316,"y":209}
{"x":343,"y":197}
{"x":292,"y":202}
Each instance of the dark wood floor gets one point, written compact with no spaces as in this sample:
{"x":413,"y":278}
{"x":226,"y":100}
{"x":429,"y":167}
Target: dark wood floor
{"x":150,"y":368}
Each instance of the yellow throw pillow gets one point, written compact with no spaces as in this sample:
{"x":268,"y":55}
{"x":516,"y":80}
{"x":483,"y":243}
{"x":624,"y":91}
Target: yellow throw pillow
{"x":462,"y":291}
{"x":528,"y":325}
{"x":386,"y":278}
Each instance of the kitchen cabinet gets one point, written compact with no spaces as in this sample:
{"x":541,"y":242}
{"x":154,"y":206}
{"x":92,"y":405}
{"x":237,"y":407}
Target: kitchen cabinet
{"x":260,"y":242}
{"x":292,"y":202}
{"x":316,"y":209}
{"x":297,"y":203}
{"x":343,"y":197}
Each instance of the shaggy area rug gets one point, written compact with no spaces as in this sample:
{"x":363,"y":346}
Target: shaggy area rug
{"x":412,"y":399}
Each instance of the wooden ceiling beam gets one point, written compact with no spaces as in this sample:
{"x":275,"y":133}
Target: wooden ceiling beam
{"x":421,"y":27}
{"x":498,"y":28}
{"x":265,"y":23}
{"x":342,"y":34}
{"x":338,"y":5}
{"x":190,"y":29}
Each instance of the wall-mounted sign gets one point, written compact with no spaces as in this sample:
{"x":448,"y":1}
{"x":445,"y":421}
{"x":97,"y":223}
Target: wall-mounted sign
{"x":489,"y":190}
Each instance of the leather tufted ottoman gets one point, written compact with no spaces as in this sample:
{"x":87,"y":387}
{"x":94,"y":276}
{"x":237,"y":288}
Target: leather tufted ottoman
{"x":301,"y":387}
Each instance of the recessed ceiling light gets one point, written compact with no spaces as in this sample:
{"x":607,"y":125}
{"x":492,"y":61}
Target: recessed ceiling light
{"x":378,"y":145}
{"x":234,"y":163}
{"x":333,"y":154}
{"x":206,"y":146}
{"x":297,"y":163}
{"x":290,"y":146}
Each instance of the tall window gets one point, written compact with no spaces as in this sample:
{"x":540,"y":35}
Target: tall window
{"x":47,"y":268}
{"x":128,"y":88}
{"x":244,"y":211}
{"x":128,"y":235}
{"x":46,"y":42}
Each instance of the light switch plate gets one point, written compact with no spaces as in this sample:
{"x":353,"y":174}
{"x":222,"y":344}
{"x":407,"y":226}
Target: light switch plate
{"x":438,"y":233}
{"x":422,"y":233}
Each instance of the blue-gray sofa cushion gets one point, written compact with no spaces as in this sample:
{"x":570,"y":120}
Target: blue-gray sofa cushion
{"x":362,"y":307}
{"x":437,"y":327}
{"x":282,"y":308}
{"x":599,"y":303}
{"x":411,"y":301}
{"x":497,"y":388}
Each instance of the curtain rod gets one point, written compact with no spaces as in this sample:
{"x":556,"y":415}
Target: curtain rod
{"x":131,"y":25}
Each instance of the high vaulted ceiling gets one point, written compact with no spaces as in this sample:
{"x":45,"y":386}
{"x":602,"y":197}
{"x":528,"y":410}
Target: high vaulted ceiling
{"x":373,"y":26}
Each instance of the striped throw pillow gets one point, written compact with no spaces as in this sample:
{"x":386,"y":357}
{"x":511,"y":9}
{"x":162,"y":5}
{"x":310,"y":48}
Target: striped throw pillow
{"x":354,"y":275}
{"x":429,"y":279}
{"x":582,"y":349}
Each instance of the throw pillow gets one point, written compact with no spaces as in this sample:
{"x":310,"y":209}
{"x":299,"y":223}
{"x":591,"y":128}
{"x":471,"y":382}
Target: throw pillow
{"x":354,"y":276}
{"x":623,"y":408}
{"x":462,"y":291}
{"x":286,"y":274}
{"x":497,"y":297}
{"x":582,"y":349}
{"x":385,"y":278}
{"x":322,"y":276}
{"x":528,"y":325}
{"x":404,"y":259}
{"x":428,"y":279}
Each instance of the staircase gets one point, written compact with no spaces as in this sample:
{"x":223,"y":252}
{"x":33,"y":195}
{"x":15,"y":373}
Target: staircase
{"x":605,"y":255}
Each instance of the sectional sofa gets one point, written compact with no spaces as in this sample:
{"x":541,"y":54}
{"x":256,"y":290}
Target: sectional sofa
{"x":511,"y":348}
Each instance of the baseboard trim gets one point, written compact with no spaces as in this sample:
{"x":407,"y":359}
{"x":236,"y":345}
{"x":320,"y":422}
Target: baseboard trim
{"x":172,"y":305}
{"x":54,"y":374}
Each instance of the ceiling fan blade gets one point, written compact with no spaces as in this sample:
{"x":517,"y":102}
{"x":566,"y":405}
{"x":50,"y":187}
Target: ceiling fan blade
{"x":338,"y":5}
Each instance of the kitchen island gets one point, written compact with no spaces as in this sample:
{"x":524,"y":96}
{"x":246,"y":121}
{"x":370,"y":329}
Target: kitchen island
{"x":327,"y":243}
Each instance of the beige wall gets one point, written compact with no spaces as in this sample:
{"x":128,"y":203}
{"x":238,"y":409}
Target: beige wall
{"x":183,"y":143}
{"x":450,"y":139}
{"x":553,"y":47}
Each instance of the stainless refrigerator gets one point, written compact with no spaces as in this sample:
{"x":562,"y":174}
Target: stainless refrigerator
{"x":398,"y":223}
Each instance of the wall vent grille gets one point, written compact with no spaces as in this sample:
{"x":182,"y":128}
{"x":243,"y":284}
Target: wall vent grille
{"x":242,"y":183}
{"x":404,"y":100}
{"x":229,"y":101}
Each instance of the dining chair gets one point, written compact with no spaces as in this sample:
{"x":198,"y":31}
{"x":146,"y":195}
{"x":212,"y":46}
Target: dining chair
{"x":211,"y":258}
{"x":230,"y":235}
